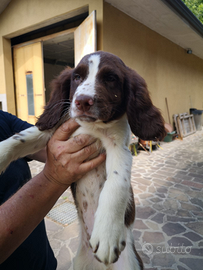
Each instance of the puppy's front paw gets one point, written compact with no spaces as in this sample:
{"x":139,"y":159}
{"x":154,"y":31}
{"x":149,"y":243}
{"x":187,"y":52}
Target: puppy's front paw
{"x":108,"y":240}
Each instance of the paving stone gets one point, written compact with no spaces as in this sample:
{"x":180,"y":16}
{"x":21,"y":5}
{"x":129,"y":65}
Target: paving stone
{"x":196,"y":226}
{"x":136,"y":234}
{"x":180,"y":197}
{"x":159,"y":182}
{"x":169,"y":212}
{"x":200,"y":244}
{"x":197,"y":213}
{"x":192,"y":184}
{"x":145,"y":202}
{"x":195,"y":264}
{"x":166,"y":173}
{"x":64,"y":259}
{"x":151,"y":189}
{"x":137,"y":245}
{"x":195,"y":194}
{"x":168,"y":169}
{"x":179,"y":242}
{"x":152,"y":225}
{"x":184,"y":177}
{"x":181,"y":187}
{"x":198,"y":179}
{"x":144,"y":212}
{"x":197,"y":202}
{"x":190,"y":207}
{"x":183,"y":213}
{"x":181,"y":172}
{"x":193,"y":236}
{"x":142,"y":181}
{"x":179,"y":219}
{"x":145,"y":195}
{"x":173,"y":228}
{"x":155,"y":200}
{"x":174,"y":179}
{"x":162,"y":190}
{"x":143,"y":188}
{"x":177,"y":172}
{"x":144,"y":257}
{"x":158,"y":206}
{"x":74,"y":244}
{"x":137,"y":191}
{"x":52,"y":226}
{"x":171,"y":204}
{"x":197,"y":252}
{"x":163,"y":259}
{"x":153,"y":237}
{"x":161,"y":195}
{"x":158,"y":218}
{"x":68,"y":232}
{"x":181,"y":268}
{"x":139,"y":224}
{"x":194,"y":175}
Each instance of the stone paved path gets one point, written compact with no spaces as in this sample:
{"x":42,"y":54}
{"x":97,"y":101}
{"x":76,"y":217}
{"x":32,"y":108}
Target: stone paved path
{"x":168,"y":191}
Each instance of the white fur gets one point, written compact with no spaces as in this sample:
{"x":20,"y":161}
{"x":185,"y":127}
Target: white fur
{"x":107,"y":218}
{"x":26,"y":142}
{"x":88,"y":86}
{"x":102,"y":194}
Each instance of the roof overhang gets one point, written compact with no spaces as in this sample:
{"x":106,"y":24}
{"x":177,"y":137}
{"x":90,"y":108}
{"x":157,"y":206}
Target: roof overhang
{"x":170,"y":18}
{"x":3,"y":5}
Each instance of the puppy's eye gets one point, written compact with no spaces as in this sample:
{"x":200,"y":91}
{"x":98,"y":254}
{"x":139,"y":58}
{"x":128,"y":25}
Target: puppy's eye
{"x":77,"y":77}
{"x":110,"y":78}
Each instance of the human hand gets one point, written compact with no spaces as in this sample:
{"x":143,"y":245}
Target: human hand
{"x":66,"y":157}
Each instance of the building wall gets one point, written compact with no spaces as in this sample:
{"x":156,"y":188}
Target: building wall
{"x":22,"y":16}
{"x":168,"y":70}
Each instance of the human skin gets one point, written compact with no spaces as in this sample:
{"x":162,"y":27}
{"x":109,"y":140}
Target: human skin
{"x":65,"y":163}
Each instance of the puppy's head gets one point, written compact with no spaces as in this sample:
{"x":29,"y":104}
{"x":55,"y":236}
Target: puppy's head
{"x":101,"y":88}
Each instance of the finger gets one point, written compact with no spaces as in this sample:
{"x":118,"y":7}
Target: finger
{"x":87,"y":151}
{"x":65,"y":130}
{"x":91,"y":164}
{"x":78,"y":142}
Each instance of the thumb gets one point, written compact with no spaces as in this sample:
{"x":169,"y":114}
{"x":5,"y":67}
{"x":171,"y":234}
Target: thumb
{"x":66,"y":130}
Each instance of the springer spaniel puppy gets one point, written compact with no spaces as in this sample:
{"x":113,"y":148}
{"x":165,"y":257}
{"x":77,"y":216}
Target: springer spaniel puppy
{"x":107,"y":99}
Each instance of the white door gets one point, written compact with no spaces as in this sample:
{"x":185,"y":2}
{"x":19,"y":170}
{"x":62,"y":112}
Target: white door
{"x":85,"y":37}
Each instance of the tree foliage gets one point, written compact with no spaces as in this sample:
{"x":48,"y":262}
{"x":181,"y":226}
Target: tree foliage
{"x":196,"y":6}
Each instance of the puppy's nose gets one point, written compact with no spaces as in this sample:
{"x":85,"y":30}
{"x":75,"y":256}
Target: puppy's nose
{"x":84,"y":102}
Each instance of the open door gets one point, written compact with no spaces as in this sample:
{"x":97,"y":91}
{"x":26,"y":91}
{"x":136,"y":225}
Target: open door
{"x":85,"y":37}
{"x":29,"y":81}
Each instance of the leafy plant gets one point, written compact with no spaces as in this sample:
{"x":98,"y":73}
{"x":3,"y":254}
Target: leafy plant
{"x":196,"y":6}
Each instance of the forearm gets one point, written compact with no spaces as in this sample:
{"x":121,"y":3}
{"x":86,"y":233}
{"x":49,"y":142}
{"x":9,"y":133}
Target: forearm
{"x":39,"y":156}
{"x":16,"y":221}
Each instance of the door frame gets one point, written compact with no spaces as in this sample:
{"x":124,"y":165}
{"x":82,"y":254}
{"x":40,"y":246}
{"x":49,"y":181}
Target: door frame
{"x":81,"y":39}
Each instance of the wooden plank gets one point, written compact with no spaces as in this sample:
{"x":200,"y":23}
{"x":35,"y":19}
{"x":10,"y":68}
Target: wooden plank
{"x":85,"y":37}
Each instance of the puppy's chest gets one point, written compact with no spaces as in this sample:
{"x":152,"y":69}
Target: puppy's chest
{"x":88,"y":190}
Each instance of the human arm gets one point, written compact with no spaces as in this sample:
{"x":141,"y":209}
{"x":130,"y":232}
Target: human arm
{"x":39,"y":156}
{"x":26,"y":208}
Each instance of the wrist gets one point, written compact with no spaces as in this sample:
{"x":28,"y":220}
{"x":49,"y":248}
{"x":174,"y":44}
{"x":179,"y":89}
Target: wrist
{"x":50,"y":179}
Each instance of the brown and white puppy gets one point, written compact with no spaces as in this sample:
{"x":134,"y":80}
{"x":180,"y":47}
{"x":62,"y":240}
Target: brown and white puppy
{"x":107,"y":99}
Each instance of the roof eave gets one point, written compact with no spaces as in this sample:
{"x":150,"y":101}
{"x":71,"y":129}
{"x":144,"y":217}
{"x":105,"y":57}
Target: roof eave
{"x":186,"y":14}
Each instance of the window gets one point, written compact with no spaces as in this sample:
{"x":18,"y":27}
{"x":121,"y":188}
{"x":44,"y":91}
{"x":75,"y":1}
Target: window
{"x":30,"y":93}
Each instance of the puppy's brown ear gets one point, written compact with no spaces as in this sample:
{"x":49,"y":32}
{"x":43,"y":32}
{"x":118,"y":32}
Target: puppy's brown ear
{"x":59,"y":103}
{"x":144,"y":118}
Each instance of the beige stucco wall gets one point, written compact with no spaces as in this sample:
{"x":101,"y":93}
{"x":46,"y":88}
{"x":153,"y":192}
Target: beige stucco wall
{"x":22,"y":16}
{"x":168,"y":70}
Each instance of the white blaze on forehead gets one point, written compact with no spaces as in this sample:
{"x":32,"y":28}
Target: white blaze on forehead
{"x":93,"y":62}
{"x":87,"y":87}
